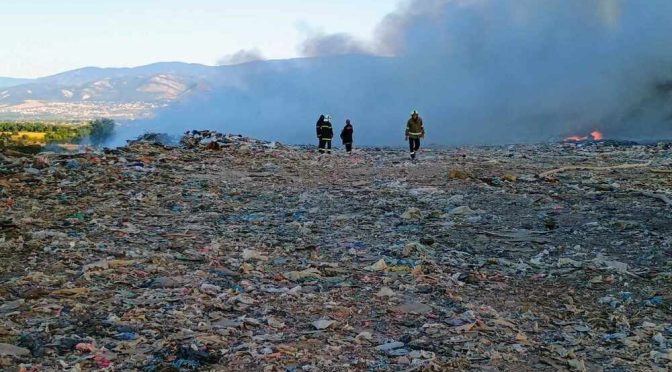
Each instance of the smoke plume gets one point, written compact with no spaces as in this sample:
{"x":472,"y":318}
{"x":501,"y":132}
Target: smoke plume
{"x":242,"y":56}
{"x":332,"y":44}
{"x":479,"y":71}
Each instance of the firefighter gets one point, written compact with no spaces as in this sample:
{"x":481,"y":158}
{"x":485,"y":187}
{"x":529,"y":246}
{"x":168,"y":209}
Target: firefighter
{"x":346,"y":136}
{"x":414,"y":132}
{"x":325,"y":133}
{"x":318,"y":127}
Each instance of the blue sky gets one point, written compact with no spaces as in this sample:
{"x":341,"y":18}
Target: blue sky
{"x":43,"y":37}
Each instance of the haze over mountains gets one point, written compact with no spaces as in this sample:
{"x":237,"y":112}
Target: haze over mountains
{"x":478,"y":71}
{"x":120,"y":93}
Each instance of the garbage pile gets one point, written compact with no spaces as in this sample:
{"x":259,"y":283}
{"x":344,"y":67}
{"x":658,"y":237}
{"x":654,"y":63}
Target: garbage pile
{"x":212,"y":140}
{"x":154,"y":139}
{"x":255,"y":256}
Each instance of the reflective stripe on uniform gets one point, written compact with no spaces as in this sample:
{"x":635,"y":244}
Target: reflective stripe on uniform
{"x":415,"y":134}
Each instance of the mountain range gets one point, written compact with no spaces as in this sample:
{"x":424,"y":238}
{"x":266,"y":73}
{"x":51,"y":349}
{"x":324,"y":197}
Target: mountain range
{"x":160,"y":82}
{"x":119,"y":93}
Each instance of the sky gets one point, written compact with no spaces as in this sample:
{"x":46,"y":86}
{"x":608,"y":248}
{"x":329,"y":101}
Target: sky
{"x":44,"y":37}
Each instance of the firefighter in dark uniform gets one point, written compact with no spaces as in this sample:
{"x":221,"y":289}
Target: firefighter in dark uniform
{"x":325,"y":133}
{"x":318,"y":127}
{"x":414,"y":132}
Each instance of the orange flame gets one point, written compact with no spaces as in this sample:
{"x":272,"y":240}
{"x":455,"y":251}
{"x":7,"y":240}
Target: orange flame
{"x":596,"y":135}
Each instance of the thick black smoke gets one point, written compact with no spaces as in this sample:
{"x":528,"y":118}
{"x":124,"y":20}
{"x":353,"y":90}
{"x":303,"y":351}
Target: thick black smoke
{"x":479,"y":71}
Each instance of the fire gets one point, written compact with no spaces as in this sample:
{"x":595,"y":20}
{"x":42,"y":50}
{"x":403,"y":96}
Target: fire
{"x":575,"y":139}
{"x":595,"y":135}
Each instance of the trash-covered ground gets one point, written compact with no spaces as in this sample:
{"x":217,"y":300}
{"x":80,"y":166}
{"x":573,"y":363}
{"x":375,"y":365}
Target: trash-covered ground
{"x":233,"y":254}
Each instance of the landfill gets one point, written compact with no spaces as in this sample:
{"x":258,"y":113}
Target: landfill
{"x":229,"y":253}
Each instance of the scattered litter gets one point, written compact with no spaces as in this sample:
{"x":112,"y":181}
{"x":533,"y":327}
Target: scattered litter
{"x":323,"y":324}
{"x":231,"y":253}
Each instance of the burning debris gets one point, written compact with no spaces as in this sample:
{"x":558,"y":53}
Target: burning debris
{"x":256,"y":256}
{"x":595,"y":136}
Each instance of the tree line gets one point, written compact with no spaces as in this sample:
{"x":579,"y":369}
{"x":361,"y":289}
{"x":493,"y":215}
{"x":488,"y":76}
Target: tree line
{"x":97,"y":131}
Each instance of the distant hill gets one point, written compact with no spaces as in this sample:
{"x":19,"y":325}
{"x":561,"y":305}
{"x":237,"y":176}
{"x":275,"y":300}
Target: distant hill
{"x":121,"y":93}
{"x":131,"y":88}
{"x":10,"y":82}
{"x":91,"y":74}
{"x":161,"y":82}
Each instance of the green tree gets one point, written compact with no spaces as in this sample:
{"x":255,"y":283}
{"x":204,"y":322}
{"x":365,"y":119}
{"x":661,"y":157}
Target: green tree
{"x":101,"y":130}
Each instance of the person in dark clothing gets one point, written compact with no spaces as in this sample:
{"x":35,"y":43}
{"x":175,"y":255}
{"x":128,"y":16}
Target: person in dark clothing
{"x":325,"y":133}
{"x":414,"y":132}
{"x":346,"y":136}
{"x":318,"y":127}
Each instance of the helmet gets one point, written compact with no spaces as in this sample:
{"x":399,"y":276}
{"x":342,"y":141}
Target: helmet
{"x":415,"y":112}
{"x":327,"y":118}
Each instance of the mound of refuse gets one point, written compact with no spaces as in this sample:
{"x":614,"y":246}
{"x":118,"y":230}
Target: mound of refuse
{"x":212,"y":140}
